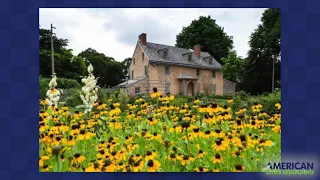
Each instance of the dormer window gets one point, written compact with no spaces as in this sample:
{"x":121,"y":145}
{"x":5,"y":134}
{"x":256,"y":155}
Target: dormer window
{"x":165,"y":54}
{"x":210,"y":60}
{"x":189,"y":57}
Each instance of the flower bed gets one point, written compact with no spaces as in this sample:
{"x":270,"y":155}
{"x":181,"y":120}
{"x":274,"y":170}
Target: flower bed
{"x":156,"y":136}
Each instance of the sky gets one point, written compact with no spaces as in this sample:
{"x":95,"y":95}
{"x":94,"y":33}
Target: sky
{"x":115,"y":32}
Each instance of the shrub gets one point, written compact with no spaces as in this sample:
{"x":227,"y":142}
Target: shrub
{"x":73,"y":97}
{"x":123,"y":99}
{"x":63,"y":83}
{"x":269,"y":101}
{"x":199,"y":95}
{"x":44,"y":86}
{"x":102,"y":95}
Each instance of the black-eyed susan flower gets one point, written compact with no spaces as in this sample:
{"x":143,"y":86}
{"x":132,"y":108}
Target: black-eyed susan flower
{"x":42,"y":160}
{"x":276,"y":128}
{"x":46,"y":168}
{"x":138,"y":166}
{"x":200,"y":169}
{"x":201,"y":153}
{"x":78,"y":158}
{"x":217,"y":159}
{"x":153,"y":165}
{"x":239,"y":168}
{"x":219,"y":145}
{"x":185,"y":159}
{"x":150,"y":155}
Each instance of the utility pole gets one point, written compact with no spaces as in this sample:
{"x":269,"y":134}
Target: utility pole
{"x":273,"y":57}
{"x":52,"y":50}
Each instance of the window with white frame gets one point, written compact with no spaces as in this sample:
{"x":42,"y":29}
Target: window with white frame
{"x":214,"y":89}
{"x":137,"y":90}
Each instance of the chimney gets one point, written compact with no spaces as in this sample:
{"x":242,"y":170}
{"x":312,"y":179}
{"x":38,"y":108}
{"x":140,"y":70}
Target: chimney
{"x":197,"y":50}
{"x":143,"y":38}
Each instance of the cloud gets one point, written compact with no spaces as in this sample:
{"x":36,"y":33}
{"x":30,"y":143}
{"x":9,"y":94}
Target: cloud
{"x":114,"y":32}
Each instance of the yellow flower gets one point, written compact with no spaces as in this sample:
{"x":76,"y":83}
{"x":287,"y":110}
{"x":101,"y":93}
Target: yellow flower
{"x":201,"y":154}
{"x":239,"y":168}
{"x":219,"y":145}
{"x":276,"y":129}
{"x":217,"y":159}
{"x":185,"y":159}
{"x":266,"y":143}
{"x":78,"y":158}
{"x":278,"y":106}
{"x":150,"y":155}
{"x":153,"y":165}
{"x":200,"y":169}
{"x":42,"y":160}
{"x":230,"y":101}
{"x":137,"y":166}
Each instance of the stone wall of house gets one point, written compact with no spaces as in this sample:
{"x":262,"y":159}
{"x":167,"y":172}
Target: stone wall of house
{"x":229,"y":88}
{"x":140,"y":87}
{"x":138,"y":64}
{"x":169,"y":83}
{"x":205,"y":83}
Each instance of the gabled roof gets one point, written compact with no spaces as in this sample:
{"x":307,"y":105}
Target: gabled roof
{"x":175,"y":57}
{"x":131,"y":81}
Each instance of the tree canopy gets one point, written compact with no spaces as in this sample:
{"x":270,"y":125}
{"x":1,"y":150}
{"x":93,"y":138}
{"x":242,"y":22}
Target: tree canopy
{"x":64,"y":66}
{"x":209,"y":35}
{"x":109,"y":71}
{"x":264,"y":49}
{"x":233,"y":67}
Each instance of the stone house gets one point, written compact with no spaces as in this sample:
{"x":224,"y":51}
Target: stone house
{"x":174,"y":70}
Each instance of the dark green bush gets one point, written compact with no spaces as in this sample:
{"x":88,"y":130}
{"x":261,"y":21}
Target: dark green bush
{"x":102,"y":95}
{"x":72,"y":97}
{"x":268,"y":101}
{"x":44,"y":86}
{"x":63,"y":83}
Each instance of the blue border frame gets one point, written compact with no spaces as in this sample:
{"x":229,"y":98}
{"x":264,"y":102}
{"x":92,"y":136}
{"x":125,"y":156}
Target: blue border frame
{"x":20,"y":88}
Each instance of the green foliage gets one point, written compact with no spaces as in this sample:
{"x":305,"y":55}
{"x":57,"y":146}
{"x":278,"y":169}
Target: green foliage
{"x":123,"y":99}
{"x":126,"y":64}
{"x":63,"y":83}
{"x":264,"y":49}
{"x":65,"y":64}
{"x":199,"y":95}
{"x":268,"y":101}
{"x":102,"y":95}
{"x":233,"y":67}
{"x":73,"y":97}
{"x":109,"y":71}
{"x":179,"y":100}
{"x":209,"y":35}
{"x":44,"y":87}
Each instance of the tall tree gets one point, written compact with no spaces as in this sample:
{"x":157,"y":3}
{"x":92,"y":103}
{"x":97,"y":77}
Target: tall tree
{"x":109,"y":71}
{"x":209,"y":35}
{"x":126,"y":64}
{"x":64,"y":66}
{"x":233,"y":67}
{"x":264,"y":49}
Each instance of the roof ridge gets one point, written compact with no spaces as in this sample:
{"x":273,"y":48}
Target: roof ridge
{"x":175,"y":47}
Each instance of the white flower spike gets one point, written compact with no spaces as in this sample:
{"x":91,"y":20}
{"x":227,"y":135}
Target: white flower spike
{"x":89,"y":90}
